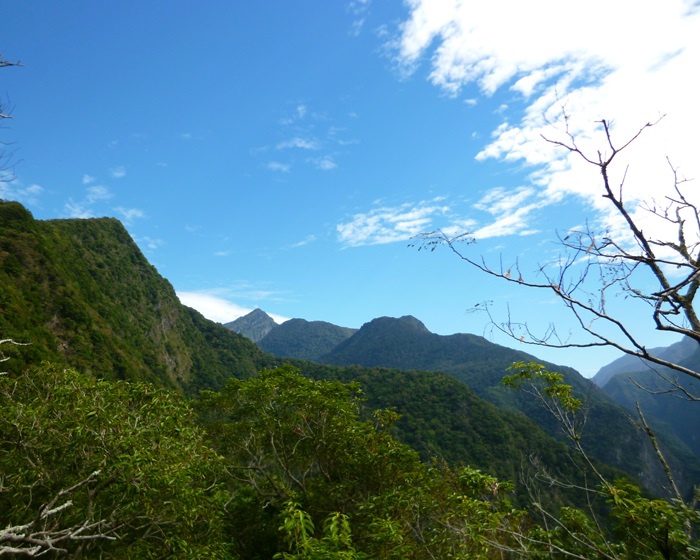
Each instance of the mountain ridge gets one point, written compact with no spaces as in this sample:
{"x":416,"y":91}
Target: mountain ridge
{"x":85,"y":296}
{"x":406,"y":344}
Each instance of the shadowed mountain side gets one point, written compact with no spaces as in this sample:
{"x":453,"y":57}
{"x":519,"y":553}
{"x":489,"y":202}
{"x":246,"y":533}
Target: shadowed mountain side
{"x":666,"y":410}
{"x":609,"y":434}
{"x":677,"y":352}
{"x":306,"y":340}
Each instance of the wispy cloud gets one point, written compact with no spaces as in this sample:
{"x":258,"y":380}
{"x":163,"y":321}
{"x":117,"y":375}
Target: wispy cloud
{"x":217,"y":306}
{"x":388,"y":224}
{"x":117,"y":172}
{"x":306,"y":241}
{"x":359,"y":10}
{"x":551,"y":62}
{"x":150,"y":243}
{"x":87,"y":179}
{"x":130,"y":214}
{"x":15,"y":190}
{"x":299,"y":113}
{"x":299,"y":143}
{"x":96,"y":193}
{"x":277,"y":166}
{"x":305,"y":130}
{"x":325,"y":163}
{"x":85,"y":208}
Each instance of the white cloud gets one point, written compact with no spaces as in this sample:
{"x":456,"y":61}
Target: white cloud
{"x":84,"y":208}
{"x":277,"y":166}
{"x":308,"y":239}
{"x":324,"y":163}
{"x":299,"y":143}
{"x":300,"y":112}
{"x":359,"y":10}
{"x":130,"y":214}
{"x":390,"y":224}
{"x":14,"y":190}
{"x":97,"y":193}
{"x":151,"y":243}
{"x":117,"y":172}
{"x":216,"y":308}
{"x":87,"y":179}
{"x":78,"y":210}
{"x":626,"y":61}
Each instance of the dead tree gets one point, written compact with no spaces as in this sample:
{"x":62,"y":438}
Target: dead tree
{"x":595,"y":265}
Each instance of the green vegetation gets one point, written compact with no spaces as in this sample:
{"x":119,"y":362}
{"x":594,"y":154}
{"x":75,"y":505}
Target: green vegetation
{"x":106,"y":469}
{"x":85,"y":296}
{"x":103,"y":452}
{"x":609,"y":436}
{"x":305,"y":340}
{"x":282,"y":467}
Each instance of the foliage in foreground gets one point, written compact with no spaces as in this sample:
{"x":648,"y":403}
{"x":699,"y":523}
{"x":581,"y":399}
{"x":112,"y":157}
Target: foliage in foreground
{"x":121,"y":466}
{"x":284,"y":468}
{"x":297,"y":451}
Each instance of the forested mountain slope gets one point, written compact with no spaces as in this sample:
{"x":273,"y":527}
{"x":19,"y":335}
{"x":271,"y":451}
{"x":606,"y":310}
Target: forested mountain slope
{"x":667,"y":410}
{"x":306,"y":340}
{"x":82,"y":294}
{"x":406,"y":343}
{"x":254,"y":326}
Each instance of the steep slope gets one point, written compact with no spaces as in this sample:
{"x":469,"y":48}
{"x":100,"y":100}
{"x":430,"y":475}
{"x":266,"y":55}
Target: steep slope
{"x":630,"y":380}
{"x":405,"y":343}
{"x":681,"y":350}
{"x":254,"y":326}
{"x":306,"y":340}
{"x":669,"y":412}
{"x":83,"y":294}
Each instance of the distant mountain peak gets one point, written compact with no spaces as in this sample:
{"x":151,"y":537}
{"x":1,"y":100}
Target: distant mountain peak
{"x":406,"y":320}
{"x":412,"y":321}
{"x":254,"y":326}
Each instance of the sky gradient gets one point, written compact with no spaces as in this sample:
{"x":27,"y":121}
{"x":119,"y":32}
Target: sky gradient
{"x":283,"y":154}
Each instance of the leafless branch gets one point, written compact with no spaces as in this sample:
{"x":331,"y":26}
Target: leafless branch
{"x":44,"y":534}
{"x":599,"y":265}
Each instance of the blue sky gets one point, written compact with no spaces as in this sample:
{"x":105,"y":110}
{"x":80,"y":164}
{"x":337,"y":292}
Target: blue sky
{"x":281,"y":154}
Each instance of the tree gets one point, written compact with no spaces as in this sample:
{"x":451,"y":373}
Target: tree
{"x":5,"y":156}
{"x":310,"y":479}
{"x":661,"y":273}
{"x":98,"y":469}
{"x":637,"y":526}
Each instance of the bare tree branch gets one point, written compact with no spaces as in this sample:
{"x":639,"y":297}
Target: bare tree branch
{"x":596,"y":266}
{"x":44,"y":534}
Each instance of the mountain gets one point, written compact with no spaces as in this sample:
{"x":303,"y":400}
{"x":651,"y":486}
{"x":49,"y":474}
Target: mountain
{"x":254,"y":326}
{"x":82,"y":294}
{"x":630,"y":381}
{"x":306,"y":340}
{"x":675,"y":353}
{"x":405,"y":343}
